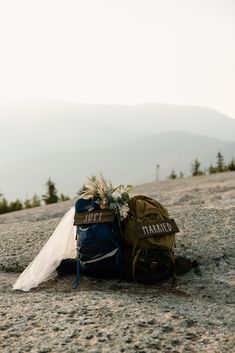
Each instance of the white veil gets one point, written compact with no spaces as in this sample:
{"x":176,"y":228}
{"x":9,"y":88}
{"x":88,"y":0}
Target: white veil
{"x":61,"y":245}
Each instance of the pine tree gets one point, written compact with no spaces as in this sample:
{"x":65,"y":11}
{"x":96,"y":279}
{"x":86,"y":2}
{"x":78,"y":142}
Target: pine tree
{"x":35,"y":202}
{"x":220,"y":162}
{"x":173,"y":175}
{"x":212,"y":169}
{"x":196,"y":168}
{"x":15,"y":206}
{"x":51,"y":195}
{"x":64,"y":197}
{"x":27,"y":204}
{"x":4,"y":206}
{"x":231,"y":165}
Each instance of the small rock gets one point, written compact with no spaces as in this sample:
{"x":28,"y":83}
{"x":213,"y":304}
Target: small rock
{"x":167,"y":329}
{"x":190,"y":323}
{"x":191,"y":336}
{"x":175,"y":342}
{"x":44,"y":350}
{"x":89,"y":336}
{"x":128,"y":340}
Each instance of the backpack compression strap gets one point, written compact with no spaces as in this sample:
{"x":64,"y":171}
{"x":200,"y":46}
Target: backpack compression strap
{"x":78,"y":275}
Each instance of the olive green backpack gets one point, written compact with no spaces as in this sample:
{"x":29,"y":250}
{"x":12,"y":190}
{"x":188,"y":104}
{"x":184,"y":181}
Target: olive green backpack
{"x":149,"y":237}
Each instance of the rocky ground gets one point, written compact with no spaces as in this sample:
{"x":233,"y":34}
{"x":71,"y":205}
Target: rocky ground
{"x":111,"y":316}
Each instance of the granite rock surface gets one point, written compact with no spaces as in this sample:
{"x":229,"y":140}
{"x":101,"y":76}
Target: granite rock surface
{"x":112,"y":316}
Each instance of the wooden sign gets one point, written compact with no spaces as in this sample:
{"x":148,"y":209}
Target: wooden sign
{"x":91,"y":217}
{"x":154,"y":229}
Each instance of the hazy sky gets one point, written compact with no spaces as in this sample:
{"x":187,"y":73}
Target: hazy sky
{"x":119,"y":51}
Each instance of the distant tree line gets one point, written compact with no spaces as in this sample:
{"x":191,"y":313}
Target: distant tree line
{"x":196,"y":170}
{"x":51,"y":196}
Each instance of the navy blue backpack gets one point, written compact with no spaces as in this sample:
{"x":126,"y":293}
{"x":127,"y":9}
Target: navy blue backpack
{"x":98,"y":240}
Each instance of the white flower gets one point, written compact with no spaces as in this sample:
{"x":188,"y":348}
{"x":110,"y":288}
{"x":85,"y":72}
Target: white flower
{"x":105,"y":194}
{"x":123,"y":211}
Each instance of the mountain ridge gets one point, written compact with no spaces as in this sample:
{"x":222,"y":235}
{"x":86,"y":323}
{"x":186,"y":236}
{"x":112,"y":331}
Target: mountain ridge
{"x":69,"y":141}
{"x":137,"y":118}
{"x":133,"y":163}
